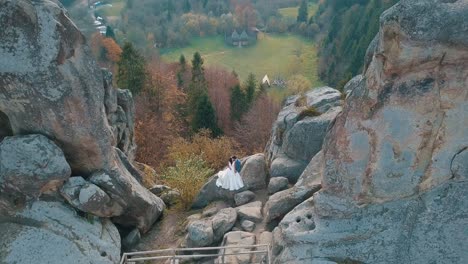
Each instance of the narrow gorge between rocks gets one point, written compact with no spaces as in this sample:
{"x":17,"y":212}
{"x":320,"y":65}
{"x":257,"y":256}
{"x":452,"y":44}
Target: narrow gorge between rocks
{"x":376,"y":172}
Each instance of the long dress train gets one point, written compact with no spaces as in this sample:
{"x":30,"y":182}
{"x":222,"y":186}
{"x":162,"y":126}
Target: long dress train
{"x":229,"y":179}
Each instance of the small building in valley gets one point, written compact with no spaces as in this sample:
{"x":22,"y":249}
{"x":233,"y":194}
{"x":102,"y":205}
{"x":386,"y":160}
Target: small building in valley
{"x":235,"y":38}
{"x":244,"y":38}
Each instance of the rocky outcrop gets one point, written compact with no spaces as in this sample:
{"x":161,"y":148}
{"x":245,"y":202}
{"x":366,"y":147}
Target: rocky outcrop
{"x":51,"y":232}
{"x":352,"y":84}
{"x":210,"y":193}
{"x":394,"y":188}
{"x":280,"y":203}
{"x":253,"y":173}
{"x":299,"y":130}
{"x":141,"y":207}
{"x":60,"y":116}
{"x":210,"y":230}
{"x":30,"y":166}
{"x":88,"y":197}
{"x":50,"y":85}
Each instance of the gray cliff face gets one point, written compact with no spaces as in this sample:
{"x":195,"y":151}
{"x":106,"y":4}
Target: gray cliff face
{"x":295,"y":140}
{"x":61,"y":117}
{"x":394,"y":189}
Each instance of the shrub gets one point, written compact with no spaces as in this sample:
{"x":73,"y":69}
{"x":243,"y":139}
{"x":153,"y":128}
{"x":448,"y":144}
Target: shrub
{"x":310,"y":111}
{"x":148,"y":174}
{"x":187,"y":176}
{"x":301,"y":101}
{"x":215,"y":151}
{"x":298,"y":84}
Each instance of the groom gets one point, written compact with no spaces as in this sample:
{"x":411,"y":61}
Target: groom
{"x":237,"y":164}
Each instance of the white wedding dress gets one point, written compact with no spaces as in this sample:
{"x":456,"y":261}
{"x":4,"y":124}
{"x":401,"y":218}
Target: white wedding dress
{"x":229,"y":180}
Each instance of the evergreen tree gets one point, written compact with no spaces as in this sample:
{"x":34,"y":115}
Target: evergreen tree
{"x":238,"y":103}
{"x":187,"y":7}
{"x":205,"y":116}
{"x":198,"y":85}
{"x":181,"y":72}
{"x":170,"y":10}
{"x":303,"y":13}
{"x":131,"y":69}
{"x":182,"y":61}
{"x":250,"y":87}
{"x":110,"y":33}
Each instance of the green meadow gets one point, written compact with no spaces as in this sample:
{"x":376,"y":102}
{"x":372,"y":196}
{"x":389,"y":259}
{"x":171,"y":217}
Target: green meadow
{"x":291,"y":12}
{"x":274,"y":55}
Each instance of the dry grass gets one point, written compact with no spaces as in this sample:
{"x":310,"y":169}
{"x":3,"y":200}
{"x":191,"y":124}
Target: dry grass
{"x":214,"y":151}
{"x":310,"y":111}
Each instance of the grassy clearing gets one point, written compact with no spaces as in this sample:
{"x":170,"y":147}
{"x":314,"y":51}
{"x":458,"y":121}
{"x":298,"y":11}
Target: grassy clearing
{"x":114,"y":10}
{"x":291,"y":12}
{"x":275,"y":55}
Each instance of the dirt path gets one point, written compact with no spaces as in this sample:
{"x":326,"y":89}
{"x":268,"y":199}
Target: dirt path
{"x":166,"y":233}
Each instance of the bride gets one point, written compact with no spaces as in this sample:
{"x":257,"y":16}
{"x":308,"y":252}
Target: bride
{"x":229,"y":178}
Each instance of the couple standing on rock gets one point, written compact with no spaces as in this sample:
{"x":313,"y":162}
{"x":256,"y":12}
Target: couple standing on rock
{"x":230,"y":178}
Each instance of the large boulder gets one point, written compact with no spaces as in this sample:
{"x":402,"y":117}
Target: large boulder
{"x":296,"y":135}
{"x":280,"y":203}
{"x":244,"y":197}
{"x":30,"y":166}
{"x":223,"y":222}
{"x":237,"y":238}
{"x":393,"y":177}
{"x":141,"y":207}
{"x":207,"y":231}
{"x":254,"y":176}
{"x":277,"y":184}
{"x":89,"y":198}
{"x":251,"y":211}
{"x":50,"y":84}
{"x":51,"y":232}
{"x":210,"y":193}
{"x":254,"y":172}
{"x":200,"y":233}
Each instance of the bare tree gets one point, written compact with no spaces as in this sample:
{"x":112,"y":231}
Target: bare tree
{"x":253,"y":131}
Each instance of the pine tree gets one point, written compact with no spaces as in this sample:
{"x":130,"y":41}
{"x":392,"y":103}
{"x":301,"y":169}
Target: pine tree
{"x":170,"y":10}
{"x":250,"y":87}
{"x":110,"y":33}
{"x":198,"y":85}
{"x":205,"y":116}
{"x":182,"y":61}
{"x":181,"y":71}
{"x":131,"y":69}
{"x":187,"y":7}
{"x":238,"y":103}
{"x":303,"y":13}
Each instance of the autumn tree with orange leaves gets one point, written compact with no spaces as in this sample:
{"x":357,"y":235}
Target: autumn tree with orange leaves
{"x":106,"y":51}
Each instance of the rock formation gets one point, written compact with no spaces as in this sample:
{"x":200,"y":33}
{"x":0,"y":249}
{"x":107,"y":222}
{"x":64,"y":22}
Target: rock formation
{"x":61,"y":117}
{"x":298,"y":135}
{"x":394,"y":189}
{"x":253,"y":173}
